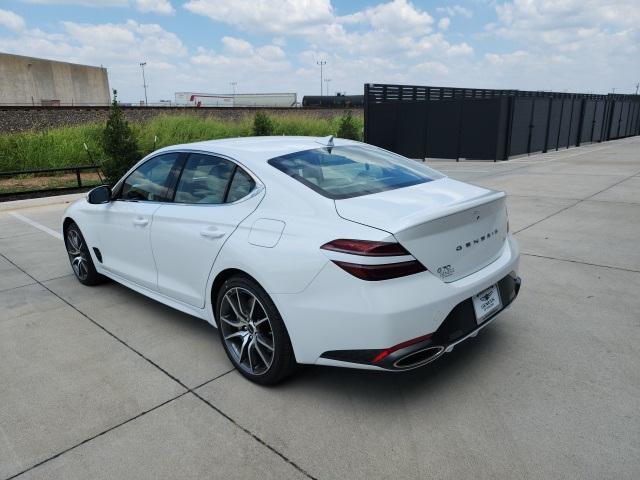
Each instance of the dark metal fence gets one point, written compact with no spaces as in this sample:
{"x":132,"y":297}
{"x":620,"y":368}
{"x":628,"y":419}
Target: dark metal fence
{"x":49,"y":174}
{"x":438,"y":122}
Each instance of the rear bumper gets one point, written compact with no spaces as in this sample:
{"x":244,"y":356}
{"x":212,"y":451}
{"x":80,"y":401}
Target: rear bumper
{"x":459,"y":325}
{"x":338,"y":312}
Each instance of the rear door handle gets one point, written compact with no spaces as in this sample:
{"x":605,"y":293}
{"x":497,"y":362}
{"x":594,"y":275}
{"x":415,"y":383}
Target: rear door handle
{"x":143,"y":222}
{"x":212,"y":233}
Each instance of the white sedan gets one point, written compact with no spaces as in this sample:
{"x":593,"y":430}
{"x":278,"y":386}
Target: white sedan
{"x":303,"y":250}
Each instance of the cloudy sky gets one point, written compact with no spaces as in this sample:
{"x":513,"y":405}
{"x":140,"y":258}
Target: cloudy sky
{"x":273,"y":45}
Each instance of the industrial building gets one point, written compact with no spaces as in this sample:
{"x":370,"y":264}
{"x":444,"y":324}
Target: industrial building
{"x":276,"y":100}
{"x":37,"y":81}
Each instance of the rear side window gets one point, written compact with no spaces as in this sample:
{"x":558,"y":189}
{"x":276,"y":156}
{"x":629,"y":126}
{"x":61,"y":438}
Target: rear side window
{"x":208,"y":179}
{"x":150,"y":180}
{"x":352,"y":171}
{"x":204,"y":179}
{"x":240,"y":187}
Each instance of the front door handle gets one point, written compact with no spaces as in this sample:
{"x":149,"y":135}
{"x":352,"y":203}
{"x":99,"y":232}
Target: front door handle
{"x":142,"y":222}
{"x":212,"y":233}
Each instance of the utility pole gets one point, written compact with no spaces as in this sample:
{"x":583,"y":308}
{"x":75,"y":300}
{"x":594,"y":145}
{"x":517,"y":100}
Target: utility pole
{"x":637,"y":86}
{"x":233,"y":86}
{"x":144,"y":83}
{"x":327,"y":80}
{"x":321,"y":63}
{"x":613,"y":90}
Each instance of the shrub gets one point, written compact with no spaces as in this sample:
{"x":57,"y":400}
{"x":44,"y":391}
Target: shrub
{"x":63,"y":146}
{"x":348,"y":127}
{"x":119,"y":144}
{"x":262,"y":124}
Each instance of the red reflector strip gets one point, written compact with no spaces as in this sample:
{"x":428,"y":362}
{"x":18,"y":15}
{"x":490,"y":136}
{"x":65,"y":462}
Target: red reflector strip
{"x":381,"y":272}
{"x":388,"y":351}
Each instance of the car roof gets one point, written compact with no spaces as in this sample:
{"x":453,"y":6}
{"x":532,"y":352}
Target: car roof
{"x":258,"y":149}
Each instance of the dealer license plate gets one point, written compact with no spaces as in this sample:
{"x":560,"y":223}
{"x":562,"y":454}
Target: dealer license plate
{"x":486,"y":302}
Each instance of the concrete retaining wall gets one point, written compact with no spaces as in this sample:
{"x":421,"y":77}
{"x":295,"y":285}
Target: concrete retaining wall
{"x":33,"y":81}
{"x":17,"y":119}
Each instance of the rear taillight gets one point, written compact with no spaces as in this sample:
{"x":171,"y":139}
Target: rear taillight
{"x":367,"y":248}
{"x":383,"y":271}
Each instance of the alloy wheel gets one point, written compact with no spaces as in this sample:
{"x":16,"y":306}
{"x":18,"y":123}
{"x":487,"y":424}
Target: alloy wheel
{"x":247,"y":330}
{"x":77,"y":256}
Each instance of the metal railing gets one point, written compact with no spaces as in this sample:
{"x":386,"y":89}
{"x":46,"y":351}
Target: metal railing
{"x":53,"y":173}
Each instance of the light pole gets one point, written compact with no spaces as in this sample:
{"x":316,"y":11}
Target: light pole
{"x":233,"y":86}
{"x":144,"y":83}
{"x":327,"y":80}
{"x":321,"y":63}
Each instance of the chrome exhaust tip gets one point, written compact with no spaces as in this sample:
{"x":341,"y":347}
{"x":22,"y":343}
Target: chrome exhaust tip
{"x":419,"y":357}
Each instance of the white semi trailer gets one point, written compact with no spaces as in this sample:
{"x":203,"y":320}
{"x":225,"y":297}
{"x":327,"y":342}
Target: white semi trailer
{"x":280,"y":100}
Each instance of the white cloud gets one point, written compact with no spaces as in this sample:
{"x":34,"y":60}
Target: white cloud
{"x":431,"y":68}
{"x":254,"y":68}
{"x":444,"y":23}
{"x":583,"y":43}
{"x":274,"y":16}
{"x":460,"y":49}
{"x":161,"y":7}
{"x":237,"y":46}
{"x":395,"y":16}
{"x":11,"y":20}
{"x":84,"y":3}
{"x":453,"y":10}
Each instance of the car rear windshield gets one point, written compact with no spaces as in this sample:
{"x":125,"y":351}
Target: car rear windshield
{"x":352,"y":171}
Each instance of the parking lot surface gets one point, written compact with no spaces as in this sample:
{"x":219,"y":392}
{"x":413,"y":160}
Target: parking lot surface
{"x":103,"y":383}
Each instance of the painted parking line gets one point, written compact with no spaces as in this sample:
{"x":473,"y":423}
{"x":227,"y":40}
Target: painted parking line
{"x":37,"y":225}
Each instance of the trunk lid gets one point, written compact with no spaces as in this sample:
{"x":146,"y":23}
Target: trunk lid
{"x":453,"y":228}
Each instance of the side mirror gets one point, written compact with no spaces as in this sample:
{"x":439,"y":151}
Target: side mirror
{"x":98,"y":195}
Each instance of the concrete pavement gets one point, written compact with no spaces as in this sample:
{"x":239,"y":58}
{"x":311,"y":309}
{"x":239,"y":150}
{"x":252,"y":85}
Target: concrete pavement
{"x":103,"y":383}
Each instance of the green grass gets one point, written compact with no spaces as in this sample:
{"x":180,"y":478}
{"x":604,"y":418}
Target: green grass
{"x":62,"y":147}
{"x":59,"y":147}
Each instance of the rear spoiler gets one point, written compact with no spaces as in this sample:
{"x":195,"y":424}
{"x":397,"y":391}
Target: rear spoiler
{"x":420,"y":218}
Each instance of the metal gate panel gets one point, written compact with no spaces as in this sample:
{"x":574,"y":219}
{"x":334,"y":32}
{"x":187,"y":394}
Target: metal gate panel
{"x":381,"y":125}
{"x":539,"y":124}
{"x":575,"y":122}
{"x":631,"y":119}
{"x":479,"y":133}
{"x":520,"y":125}
{"x":565,"y":122}
{"x":635,"y":129}
{"x":615,"y":120}
{"x":411,"y":128}
{"x":623,"y":119}
{"x":554,"y":123}
{"x":443,"y":128}
{"x":598,"y":120}
{"x":588,"y":119}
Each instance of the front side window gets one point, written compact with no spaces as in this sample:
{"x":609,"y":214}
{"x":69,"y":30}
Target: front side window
{"x":204,"y":179}
{"x":150,"y":180}
{"x":352,"y":171}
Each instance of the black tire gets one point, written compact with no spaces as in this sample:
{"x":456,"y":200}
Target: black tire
{"x":80,"y":258}
{"x":257,"y":333}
